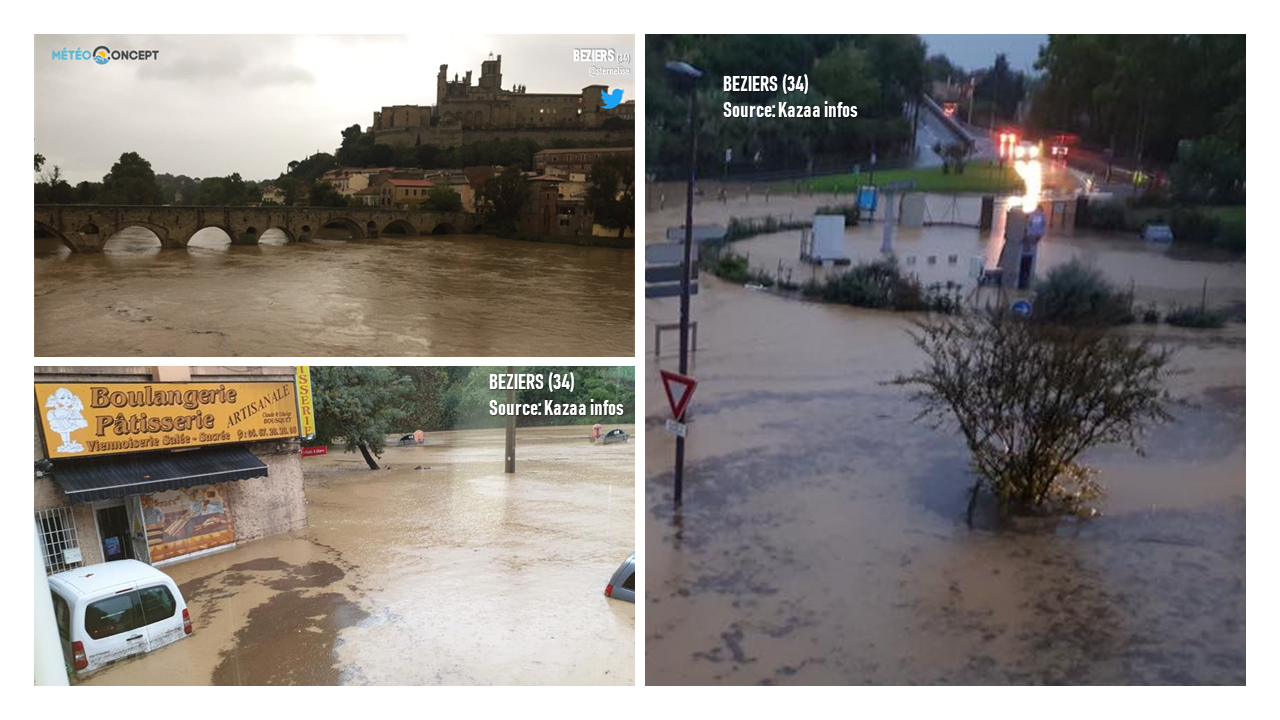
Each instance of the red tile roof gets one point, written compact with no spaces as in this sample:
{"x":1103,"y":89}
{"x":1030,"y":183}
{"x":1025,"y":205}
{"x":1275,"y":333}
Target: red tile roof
{"x":412,"y":183}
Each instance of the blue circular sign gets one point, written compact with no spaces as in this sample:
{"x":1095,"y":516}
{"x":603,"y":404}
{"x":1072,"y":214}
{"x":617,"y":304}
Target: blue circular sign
{"x":1021,"y":308}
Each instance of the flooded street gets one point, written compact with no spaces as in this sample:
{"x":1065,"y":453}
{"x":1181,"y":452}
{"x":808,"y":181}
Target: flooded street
{"x":428,"y":296}
{"x":822,"y":539}
{"x":1157,"y":273}
{"x":437,"y":569}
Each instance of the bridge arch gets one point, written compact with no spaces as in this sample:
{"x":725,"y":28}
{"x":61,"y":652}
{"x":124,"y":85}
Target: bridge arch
{"x":356,"y":229}
{"x":444,"y":228}
{"x":400,"y":227}
{"x":212,"y":236}
{"x":269,"y":237}
{"x":44,"y":227}
{"x":161,"y":232}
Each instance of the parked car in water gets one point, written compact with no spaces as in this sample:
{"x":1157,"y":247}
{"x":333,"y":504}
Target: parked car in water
{"x":114,"y":610}
{"x":617,"y":435}
{"x":622,"y":586}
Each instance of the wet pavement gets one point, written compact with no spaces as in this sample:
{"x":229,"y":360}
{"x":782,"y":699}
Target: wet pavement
{"x":454,"y":295}
{"x":822,"y":538}
{"x":437,"y":569}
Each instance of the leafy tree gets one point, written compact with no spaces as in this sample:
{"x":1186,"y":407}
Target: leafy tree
{"x":1029,"y":398}
{"x":359,"y":406}
{"x":1208,"y":171}
{"x":611,"y":195}
{"x":878,"y":73}
{"x":502,"y":197}
{"x":312,"y":168}
{"x":939,"y":68}
{"x":53,"y":189}
{"x":323,"y":194}
{"x":443,"y":198}
{"x":1143,"y":94}
{"x":87,"y":192}
{"x":1001,"y":88}
{"x":425,"y":406}
{"x":291,"y":187}
{"x":39,"y":161}
{"x":231,"y":190}
{"x":130,"y":182}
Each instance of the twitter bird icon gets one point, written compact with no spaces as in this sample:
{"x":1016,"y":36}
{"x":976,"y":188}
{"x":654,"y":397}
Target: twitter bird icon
{"x":611,"y":100}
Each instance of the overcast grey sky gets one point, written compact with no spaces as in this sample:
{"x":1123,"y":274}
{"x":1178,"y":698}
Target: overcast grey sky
{"x":973,"y":52}
{"x":214,"y":105}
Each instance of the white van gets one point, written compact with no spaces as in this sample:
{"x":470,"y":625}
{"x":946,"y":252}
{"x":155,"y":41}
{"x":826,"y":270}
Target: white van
{"x":110,"y":611}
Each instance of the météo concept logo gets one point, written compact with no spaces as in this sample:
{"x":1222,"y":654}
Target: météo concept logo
{"x":612,"y":99}
{"x":103,"y":54}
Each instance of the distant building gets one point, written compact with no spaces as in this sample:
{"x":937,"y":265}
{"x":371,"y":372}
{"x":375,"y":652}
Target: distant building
{"x":574,"y":160}
{"x":273,"y":194}
{"x":404,"y":194}
{"x":369,"y":197}
{"x":487,"y":105}
{"x":548,"y":213}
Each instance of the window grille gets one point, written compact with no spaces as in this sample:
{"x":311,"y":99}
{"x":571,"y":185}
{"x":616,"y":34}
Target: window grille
{"x":58,"y":533}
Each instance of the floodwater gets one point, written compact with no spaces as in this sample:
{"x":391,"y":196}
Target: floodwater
{"x":822,"y":538}
{"x":428,"y":296}
{"x":437,"y":569}
{"x":1163,"y":275}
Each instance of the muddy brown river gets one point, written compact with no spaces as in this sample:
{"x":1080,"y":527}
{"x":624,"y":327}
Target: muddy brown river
{"x":822,"y":539}
{"x":455,"y":573}
{"x":430,"y":296}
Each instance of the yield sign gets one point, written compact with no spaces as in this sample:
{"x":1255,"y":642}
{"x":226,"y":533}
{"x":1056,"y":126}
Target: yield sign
{"x":679,"y":389}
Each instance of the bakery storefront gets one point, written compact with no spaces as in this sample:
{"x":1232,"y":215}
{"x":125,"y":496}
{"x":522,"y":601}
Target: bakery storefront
{"x":166,"y":464}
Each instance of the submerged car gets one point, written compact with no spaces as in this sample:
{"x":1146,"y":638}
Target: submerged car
{"x":115,"y":610}
{"x":622,"y":586}
{"x":617,"y":435}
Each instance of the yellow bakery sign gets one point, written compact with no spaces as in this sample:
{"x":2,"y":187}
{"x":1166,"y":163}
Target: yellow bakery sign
{"x":81,"y":419}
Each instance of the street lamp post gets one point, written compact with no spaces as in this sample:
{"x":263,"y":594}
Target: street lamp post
{"x":685,"y":77}
{"x":511,"y":426}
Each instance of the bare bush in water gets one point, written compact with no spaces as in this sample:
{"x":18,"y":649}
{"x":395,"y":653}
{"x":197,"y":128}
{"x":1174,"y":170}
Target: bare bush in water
{"x":1030,"y":398}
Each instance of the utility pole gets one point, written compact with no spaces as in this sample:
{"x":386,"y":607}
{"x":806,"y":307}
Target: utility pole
{"x":511,"y":424}
{"x":973,"y":81}
{"x":686,"y":75}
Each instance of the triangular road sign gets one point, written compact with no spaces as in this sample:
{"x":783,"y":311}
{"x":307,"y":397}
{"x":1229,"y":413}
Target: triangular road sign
{"x":679,"y":389}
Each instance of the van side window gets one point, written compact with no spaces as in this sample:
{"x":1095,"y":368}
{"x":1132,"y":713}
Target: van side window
{"x":630,"y":584}
{"x":157,"y":604}
{"x":112,"y":616}
{"x":63,"y":614}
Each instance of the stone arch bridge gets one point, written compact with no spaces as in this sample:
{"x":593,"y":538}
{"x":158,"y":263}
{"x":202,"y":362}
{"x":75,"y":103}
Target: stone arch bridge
{"x":87,"y":228}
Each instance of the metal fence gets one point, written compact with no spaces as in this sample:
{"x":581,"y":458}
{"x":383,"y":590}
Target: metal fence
{"x":58,"y":534}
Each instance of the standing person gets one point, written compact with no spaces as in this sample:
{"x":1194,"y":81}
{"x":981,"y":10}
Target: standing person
{"x":596,"y":431}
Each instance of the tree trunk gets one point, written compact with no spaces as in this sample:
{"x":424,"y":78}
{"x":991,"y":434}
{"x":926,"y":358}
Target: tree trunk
{"x":368,"y":456}
{"x":973,"y":502}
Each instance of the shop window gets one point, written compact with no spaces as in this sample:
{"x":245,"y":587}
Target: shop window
{"x":58,"y":539}
{"x":112,"y":616}
{"x":157,"y":604}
